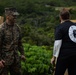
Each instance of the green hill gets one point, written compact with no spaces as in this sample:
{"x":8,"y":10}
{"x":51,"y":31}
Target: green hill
{"x":38,"y":18}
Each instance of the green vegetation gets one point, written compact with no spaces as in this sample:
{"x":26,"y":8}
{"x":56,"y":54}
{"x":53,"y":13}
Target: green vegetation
{"x":37,"y":60}
{"x":38,"y":19}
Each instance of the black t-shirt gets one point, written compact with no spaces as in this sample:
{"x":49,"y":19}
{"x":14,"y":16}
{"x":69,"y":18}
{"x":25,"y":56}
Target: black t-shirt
{"x":66,"y":32}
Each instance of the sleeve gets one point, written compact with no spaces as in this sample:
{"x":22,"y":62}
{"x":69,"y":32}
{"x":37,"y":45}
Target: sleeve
{"x":58,"y":41}
{"x":57,"y":46}
{"x":20,"y":46}
{"x":1,"y":40}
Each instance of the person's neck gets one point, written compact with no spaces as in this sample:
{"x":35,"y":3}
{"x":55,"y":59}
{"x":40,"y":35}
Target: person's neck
{"x":64,"y":20}
{"x":9,"y":23}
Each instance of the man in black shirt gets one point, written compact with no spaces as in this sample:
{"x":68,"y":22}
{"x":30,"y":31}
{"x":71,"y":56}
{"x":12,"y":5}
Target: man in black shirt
{"x":65,"y":45}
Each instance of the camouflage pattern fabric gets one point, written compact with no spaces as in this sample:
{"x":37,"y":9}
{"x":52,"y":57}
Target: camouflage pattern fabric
{"x":14,"y":69}
{"x":10,"y":43}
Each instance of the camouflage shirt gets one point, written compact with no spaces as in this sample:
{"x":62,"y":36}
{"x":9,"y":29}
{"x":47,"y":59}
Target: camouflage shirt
{"x":10,"y":43}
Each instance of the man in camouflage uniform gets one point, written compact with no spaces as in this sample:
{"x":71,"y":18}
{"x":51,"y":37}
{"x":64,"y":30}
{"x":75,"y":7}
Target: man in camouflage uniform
{"x":10,"y":44}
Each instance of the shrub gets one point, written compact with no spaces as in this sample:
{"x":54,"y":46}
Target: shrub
{"x":37,"y":60}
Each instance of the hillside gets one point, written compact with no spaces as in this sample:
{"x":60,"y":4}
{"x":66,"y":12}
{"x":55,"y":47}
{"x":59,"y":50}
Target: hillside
{"x":38,"y":18}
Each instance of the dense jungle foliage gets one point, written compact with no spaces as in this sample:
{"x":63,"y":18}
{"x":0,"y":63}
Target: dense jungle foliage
{"x":38,"y":18}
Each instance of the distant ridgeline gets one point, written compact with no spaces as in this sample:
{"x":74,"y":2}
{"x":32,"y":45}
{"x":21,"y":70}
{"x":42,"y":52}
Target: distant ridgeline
{"x":69,"y":8}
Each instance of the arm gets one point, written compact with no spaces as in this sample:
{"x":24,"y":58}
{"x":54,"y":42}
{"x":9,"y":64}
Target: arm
{"x":1,"y":40}
{"x":1,"y":36}
{"x":56,"y":50}
{"x":57,"y":44}
{"x":21,"y":50}
{"x":20,"y":47}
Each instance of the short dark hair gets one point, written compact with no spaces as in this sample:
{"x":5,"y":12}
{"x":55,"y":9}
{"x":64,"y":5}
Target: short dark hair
{"x":65,"y":14}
